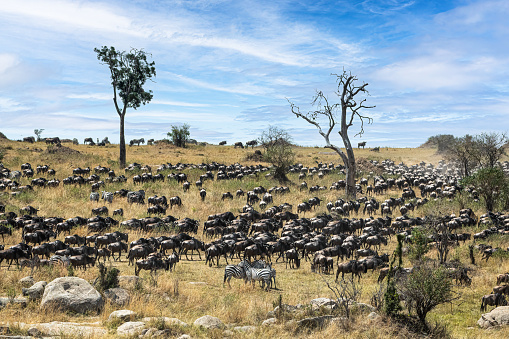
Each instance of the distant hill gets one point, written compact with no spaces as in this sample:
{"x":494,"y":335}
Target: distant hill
{"x":2,"y":136}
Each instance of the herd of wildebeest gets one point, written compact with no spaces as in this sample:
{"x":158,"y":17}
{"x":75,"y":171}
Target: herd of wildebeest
{"x":346,"y":239}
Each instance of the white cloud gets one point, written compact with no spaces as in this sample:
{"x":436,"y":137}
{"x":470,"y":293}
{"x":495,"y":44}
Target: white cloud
{"x":8,"y":105}
{"x":91,"y":96}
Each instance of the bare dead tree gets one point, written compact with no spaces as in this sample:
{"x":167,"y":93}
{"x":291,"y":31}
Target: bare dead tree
{"x":343,"y":113}
{"x":347,"y":293}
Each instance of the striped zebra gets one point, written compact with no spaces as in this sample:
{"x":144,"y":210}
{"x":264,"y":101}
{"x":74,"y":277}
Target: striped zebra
{"x":260,"y":274}
{"x":237,"y":271}
{"x":94,"y":196}
{"x":107,"y":196}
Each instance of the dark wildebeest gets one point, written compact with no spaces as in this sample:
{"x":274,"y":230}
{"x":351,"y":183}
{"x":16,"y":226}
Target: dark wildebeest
{"x":117,"y":246}
{"x":238,"y":144}
{"x":192,"y":245}
{"x":492,"y":300}
{"x":361,"y":144}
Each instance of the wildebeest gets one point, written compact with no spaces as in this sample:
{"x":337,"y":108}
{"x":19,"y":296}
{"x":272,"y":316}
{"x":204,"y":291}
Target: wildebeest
{"x":100,"y":210}
{"x":82,"y":260}
{"x":222,"y":143}
{"x":361,"y":144}
{"x":238,"y":144}
{"x":151,"y":264}
{"x":496,"y":300}
{"x":192,"y":244}
{"x":175,"y":201}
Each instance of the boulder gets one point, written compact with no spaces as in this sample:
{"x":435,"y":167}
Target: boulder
{"x":27,"y":281}
{"x":72,"y":294}
{"x":4,"y":301}
{"x":209,"y":321}
{"x":69,"y":329}
{"x":361,"y":308}
{"x":323,"y":302}
{"x":498,"y":317}
{"x":314,"y":322}
{"x":117,"y":296}
{"x":123,"y":315}
{"x":130,"y":328}
{"x":35,"y":291}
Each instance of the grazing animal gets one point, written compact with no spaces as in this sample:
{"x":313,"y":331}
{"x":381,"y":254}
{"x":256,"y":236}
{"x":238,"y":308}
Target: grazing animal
{"x":259,"y":274}
{"x":203,"y":194}
{"x":361,"y":144}
{"x":496,"y":300}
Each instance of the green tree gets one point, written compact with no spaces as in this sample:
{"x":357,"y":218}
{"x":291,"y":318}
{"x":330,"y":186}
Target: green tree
{"x":278,"y":147}
{"x":489,"y":148}
{"x":492,"y":185}
{"x":425,"y":288}
{"x":38,"y":133}
{"x":129,"y":72}
{"x":419,"y":246}
{"x":343,"y":113}
{"x":179,"y":135}
{"x":461,"y":151}
{"x":443,"y":142}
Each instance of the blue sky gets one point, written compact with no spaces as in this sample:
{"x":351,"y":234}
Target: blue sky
{"x":226,"y":68}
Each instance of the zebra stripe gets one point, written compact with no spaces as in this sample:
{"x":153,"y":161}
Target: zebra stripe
{"x":235,"y":271}
{"x":259,"y":274}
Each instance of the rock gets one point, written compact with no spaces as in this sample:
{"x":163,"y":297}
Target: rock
{"x":314,"y":322}
{"x":72,"y":294}
{"x":209,"y":321}
{"x":323,"y":302}
{"x":269,"y":322}
{"x":244,"y":328}
{"x":361,"y":307}
{"x":34,"y":332}
{"x":498,"y":317}
{"x":35,"y":291}
{"x":128,"y":281}
{"x":373,"y":315}
{"x":228,"y":333}
{"x":197,"y":283}
{"x":123,"y":315}
{"x":74,"y":330}
{"x":130,"y":328}
{"x":184,"y":336}
{"x":27,"y":281}
{"x":4,"y":301}
{"x":167,"y":321}
{"x":117,"y":296}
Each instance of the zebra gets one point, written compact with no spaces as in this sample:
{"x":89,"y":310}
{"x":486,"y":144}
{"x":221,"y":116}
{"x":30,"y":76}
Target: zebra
{"x":236,"y":271}
{"x":107,"y":196}
{"x":259,"y":274}
{"x":94,"y":196}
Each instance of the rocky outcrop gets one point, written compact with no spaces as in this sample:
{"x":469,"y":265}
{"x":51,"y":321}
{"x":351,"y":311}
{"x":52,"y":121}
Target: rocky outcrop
{"x":72,"y":294}
{"x":498,"y":317}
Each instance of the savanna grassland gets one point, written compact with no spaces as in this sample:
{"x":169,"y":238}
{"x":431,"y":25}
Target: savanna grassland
{"x":174,"y":295}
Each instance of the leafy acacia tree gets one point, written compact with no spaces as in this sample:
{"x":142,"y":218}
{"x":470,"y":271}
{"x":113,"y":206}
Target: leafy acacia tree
{"x":129,"y":71}
{"x":343,"y":113}
{"x":461,"y":151}
{"x":278,"y":151}
{"x":38,"y":133}
{"x":492,"y":184}
{"x":426,"y":288}
{"x":489,"y":148}
{"x":179,"y":135}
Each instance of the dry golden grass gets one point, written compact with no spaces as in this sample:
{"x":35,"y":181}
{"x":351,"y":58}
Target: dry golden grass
{"x":241,"y":304}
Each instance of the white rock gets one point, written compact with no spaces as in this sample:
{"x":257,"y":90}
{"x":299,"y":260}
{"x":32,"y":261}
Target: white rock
{"x":123,"y":315}
{"x":130,"y":328}
{"x":498,"y":317}
{"x":209,"y":321}
{"x":72,"y":294}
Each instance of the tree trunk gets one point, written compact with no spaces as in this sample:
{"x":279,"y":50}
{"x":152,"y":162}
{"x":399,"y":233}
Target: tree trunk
{"x":351,"y":170}
{"x":122,"y":161}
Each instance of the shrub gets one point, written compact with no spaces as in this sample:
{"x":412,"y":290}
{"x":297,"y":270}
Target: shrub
{"x":108,"y":278}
